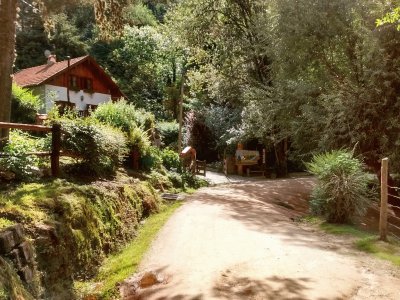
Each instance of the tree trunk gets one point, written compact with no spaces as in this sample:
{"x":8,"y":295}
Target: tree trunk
{"x":280,"y":150}
{"x":8,"y":17}
{"x":181,"y":111}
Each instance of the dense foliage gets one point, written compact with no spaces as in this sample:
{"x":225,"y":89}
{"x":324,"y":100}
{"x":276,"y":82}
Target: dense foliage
{"x":308,"y":76}
{"x":124,"y":116}
{"x":24,"y":105}
{"x":135,"y":123}
{"x":18,"y":159}
{"x":392,"y":17}
{"x":302,"y":78}
{"x":170,"y":159}
{"x":100,"y":149}
{"x":342,"y":192}
{"x":169,"y":132}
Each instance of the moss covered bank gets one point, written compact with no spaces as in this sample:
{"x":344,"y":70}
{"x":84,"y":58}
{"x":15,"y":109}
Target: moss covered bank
{"x":72,"y":227}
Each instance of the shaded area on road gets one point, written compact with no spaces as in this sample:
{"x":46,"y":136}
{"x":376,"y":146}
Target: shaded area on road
{"x":274,"y":287}
{"x":242,"y":241}
{"x":268,"y":208}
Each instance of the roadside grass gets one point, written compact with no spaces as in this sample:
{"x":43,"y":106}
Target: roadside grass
{"x":345,"y":230}
{"x":385,"y":250}
{"x":365,"y":241}
{"x":120,"y":266}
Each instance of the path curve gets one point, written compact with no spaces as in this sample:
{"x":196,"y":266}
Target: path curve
{"x":240,"y":241}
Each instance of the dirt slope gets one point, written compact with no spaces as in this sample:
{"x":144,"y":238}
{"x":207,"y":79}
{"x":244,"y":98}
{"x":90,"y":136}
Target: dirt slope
{"x":240,"y":242}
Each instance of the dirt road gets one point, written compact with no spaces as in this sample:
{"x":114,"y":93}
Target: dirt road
{"x":241,"y":241}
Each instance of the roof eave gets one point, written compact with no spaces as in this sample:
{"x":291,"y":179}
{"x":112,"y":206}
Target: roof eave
{"x":64,"y":70}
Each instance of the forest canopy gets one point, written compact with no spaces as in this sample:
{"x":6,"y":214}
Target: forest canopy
{"x":299,"y":76}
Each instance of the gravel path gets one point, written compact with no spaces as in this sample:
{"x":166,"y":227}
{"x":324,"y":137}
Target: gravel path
{"x":241,"y":241}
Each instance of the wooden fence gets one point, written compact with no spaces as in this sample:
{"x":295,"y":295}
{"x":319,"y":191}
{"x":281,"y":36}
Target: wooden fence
{"x":388,"y":224}
{"x":55,"y":152}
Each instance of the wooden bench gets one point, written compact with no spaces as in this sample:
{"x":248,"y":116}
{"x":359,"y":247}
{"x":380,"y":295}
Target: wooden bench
{"x":258,"y":170}
{"x":201,"y":167}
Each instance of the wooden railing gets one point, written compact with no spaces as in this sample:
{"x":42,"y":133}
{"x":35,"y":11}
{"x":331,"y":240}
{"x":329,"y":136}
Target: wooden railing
{"x":55,"y":152}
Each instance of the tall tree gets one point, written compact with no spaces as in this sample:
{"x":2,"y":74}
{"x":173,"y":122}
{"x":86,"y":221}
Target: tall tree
{"x":8,"y":14}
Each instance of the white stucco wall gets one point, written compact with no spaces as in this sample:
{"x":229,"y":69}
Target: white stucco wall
{"x":80,"y":98}
{"x":40,"y":91}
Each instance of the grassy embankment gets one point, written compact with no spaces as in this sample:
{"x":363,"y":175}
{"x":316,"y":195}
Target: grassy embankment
{"x":368,"y":242}
{"x":73,"y":227}
{"x":120,"y":266}
{"x":364,"y":241}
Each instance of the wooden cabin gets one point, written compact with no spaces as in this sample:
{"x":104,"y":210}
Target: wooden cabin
{"x":79,"y":82}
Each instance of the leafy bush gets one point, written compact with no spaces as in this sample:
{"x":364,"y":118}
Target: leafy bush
{"x":192,"y":181}
{"x":169,"y":132}
{"x":124,"y":116}
{"x":152,"y":159}
{"x":101,"y":148}
{"x":17,"y":161}
{"x":24,"y":105}
{"x":55,"y":115}
{"x":176,"y":179}
{"x":170,"y":159}
{"x":342,"y":191}
{"x":145,"y":119}
{"x":134,"y":122}
{"x":139,"y":139}
{"x":159,"y":181}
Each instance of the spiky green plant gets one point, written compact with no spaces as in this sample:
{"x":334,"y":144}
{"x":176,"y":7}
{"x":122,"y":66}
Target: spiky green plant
{"x":342,"y":191}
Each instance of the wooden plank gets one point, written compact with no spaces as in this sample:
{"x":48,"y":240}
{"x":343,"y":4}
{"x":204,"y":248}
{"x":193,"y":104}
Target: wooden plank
{"x":55,"y":149}
{"x":167,"y":196}
{"x":383,"y":227}
{"x":42,"y":154}
{"x":28,"y":127}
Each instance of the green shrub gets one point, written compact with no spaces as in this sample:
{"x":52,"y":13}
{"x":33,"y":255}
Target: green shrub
{"x":118,"y":114}
{"x":192,"y":181}
{"x":101,"y":148}
{"x":176,"y":180}
{"x":24,"y":105}
{"x":169,"y":132}
{"x":17,"y":161}
{"x":152,"y":159}
{"x":170,"y":159}
{"x":124,"y":116}
{"x":159,"y":181}
{"x":139,"y":139}
{"x":134,"y":122}
{"x":342,"y":192}
{"x":56,"y":116}
{"x":145,"y":119}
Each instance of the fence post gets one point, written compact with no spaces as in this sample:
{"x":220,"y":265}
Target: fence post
{"x":55,"y":149}
{"x":384,"y":199}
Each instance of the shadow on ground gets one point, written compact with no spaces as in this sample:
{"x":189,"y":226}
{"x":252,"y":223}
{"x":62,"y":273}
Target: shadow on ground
{"x":236,"y":287}
{"x":272,"y":207}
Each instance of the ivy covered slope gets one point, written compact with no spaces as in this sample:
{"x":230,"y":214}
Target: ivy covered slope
{"x":72,"y":228}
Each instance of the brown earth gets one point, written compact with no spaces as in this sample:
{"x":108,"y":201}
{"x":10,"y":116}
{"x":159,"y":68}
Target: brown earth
{"x":242,"y":241}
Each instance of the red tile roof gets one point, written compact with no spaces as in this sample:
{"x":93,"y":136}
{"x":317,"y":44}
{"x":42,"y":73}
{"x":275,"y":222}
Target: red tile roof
{"x":38,"y":75}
